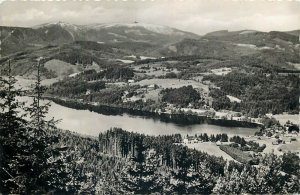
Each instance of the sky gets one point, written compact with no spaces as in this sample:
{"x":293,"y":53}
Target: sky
{"x":197,"y":16}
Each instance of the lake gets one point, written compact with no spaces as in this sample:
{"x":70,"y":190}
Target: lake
{"x":91,"y":123}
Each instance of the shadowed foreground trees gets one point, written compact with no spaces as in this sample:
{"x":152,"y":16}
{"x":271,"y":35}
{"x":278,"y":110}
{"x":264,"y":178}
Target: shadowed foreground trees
{"x":26,"y":147}
{"x":177,"y":169}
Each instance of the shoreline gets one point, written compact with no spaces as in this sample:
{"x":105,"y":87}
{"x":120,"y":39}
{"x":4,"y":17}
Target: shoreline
{"x":181,"y":119}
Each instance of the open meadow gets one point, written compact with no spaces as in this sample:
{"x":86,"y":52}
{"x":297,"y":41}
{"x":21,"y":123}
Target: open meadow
{"x":173,"y":83}
{"x":209,"y":148}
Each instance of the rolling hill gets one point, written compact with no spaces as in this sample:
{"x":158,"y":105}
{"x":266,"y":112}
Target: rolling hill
{"x":149,"y":35}
{"x":294,"y":32}
{"x":276,"y":48}
{"x":103,"y":44}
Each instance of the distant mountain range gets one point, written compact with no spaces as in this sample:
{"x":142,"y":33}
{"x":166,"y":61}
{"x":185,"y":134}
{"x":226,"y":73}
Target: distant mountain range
{"x":14,"y":38}
{"x":136,"y":34}
{"x":102,"y":43}
{"x":237,"y":42}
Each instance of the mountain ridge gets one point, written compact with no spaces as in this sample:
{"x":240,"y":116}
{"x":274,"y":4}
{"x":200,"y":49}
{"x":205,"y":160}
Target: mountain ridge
{"x":102,"y":43}
{"x":225,"y":32}
{"x":16,"y":38}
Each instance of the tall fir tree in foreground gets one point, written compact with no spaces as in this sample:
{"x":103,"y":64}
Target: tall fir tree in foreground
{"x":51,"y":165}
{"x":9,"y":103}
{"x":12,"y":132}
{"x":38,"y":110}
{"x":29,"y":163}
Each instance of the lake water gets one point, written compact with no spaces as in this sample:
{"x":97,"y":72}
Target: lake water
{"x":91,"y":123}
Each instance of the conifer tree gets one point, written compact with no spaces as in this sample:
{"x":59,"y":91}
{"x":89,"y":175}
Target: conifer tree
{"x":141,"y":177}
{"x":37,"y":110}
{"x":9,"y":103}
{"x":183,"y":164}
{"x":29,"y":163}
{"x":11,"y":133}
{"x":50,"y":164}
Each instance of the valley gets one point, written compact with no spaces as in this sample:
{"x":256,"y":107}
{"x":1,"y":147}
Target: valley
{"x":165,"y":108}
{"x":217,"y":75}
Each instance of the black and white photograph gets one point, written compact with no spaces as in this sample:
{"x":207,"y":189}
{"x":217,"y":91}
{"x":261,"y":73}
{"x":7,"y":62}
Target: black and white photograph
{"x":149,"y":97}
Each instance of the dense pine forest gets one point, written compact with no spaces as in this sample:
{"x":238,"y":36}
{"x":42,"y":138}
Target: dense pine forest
{"x":260,"y":92}
{"x":38,"y":158}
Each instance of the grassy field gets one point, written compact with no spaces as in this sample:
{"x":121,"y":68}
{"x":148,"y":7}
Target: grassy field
{"x":210,"y":148}
{"x":233,"y":99}
{"x":269,"y":146}
{"x":173,"y":83}
{"x":27,"y":83}
{"x":296,"y":65}
{"x":292,"y":147}
{"x":288,"y":146}
{"x":283,"y":118}
{"x":61,"y":68}
{"x":153,"y":94}
{"x":155,"y":69}
{"x":221,"y":71}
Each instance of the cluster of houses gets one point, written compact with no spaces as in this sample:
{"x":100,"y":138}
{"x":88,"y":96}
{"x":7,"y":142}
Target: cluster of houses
{"x":191,"y":140}
{"x":288,"y":132}
{"x":165,"y":69}
{"x":194,"y":139}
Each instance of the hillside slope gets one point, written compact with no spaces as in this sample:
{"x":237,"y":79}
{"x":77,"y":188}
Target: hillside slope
{"x":16,"y":38}
{"x":104,"y":44}
{"x":275,"y":48}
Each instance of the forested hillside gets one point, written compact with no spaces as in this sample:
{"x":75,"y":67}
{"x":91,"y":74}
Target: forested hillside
{"x":260,"y":93}
{"x":38,"y":158}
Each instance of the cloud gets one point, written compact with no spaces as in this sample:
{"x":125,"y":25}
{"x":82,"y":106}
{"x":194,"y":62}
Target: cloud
{"x":198,"y":16}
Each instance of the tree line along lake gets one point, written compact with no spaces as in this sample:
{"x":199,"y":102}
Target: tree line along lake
{"x":92,"y":123}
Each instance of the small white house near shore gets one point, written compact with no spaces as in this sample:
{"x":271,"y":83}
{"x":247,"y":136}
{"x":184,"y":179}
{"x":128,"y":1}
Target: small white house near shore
{"x":131,"y":81}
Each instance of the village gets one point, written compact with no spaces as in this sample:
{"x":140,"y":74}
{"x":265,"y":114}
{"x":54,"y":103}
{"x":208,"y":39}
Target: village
{"x":277,"y":139}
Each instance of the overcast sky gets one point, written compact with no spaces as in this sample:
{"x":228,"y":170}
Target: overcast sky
{"x":198,"y":16}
